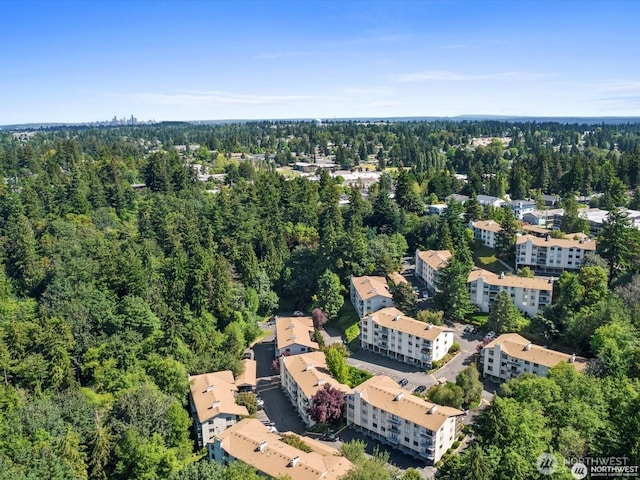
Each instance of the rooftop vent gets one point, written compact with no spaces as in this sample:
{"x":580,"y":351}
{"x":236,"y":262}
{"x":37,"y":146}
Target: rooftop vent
{"x":321,"y":381}
{"x":291,"y":325}
{"x":572,"y":358}
{"x":501,"y":274}
{"x":398,"y":396}
{"x":293,"y":461}
{"x":293,"y":337}
{"x":527,"y":346}
{"x":216,"y":404}
{"x":396,"y":317}
{"x":433,"y":409}
{"x":429,"y":326}
{"x":209,"y":388}
{"x":308,"y":367}
{"x":547,"y":238}
{"x":261,"y":446}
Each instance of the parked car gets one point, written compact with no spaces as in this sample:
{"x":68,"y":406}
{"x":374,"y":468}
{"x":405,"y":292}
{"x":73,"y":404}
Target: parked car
{"x":260,"y":402}
{"x":404,"y":382}
{"x":468,"y":329}
{"x":298,"y":313}
{"x":425,"y":294}
{"x":419,"y":389}
{"x":490,"y":335}
{"x":329,"y":437}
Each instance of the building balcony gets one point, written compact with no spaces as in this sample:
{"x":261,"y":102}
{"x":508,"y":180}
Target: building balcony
{"x":394,"y":420}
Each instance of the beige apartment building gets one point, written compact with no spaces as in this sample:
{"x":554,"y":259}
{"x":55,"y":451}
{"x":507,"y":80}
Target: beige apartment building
{"x":552,"y":256}
{"x":390,"y":332}
{"x":251,"y":442}
{"x":389,"y":414}
{"x":428,"y":264}
{"x":529,"y":295}
{"x":294,"y":335}
{"x":510,"y":355}
{"x":369,"y":294}
{"x":301,"y":376}
{"x":213,"y":404}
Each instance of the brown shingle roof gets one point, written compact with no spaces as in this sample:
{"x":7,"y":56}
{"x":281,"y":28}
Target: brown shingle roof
{"x":516,"y":346}
{"x":393,"y":318}
{"x":213,"y":394}
{"x":535,"y":283}
{"x":310,"y":372}
{"x":384,"y":393}
{"x":294,"y":330}
{"x":248,"y":375}
{"x":557,"y":242}
{"x":252,"y":443}
{"x":436,"y":259}
{"x":368,"y":287}
{"x":488,"y":225}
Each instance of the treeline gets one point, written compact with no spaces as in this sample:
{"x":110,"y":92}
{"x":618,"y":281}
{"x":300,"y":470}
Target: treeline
{"x":110,"y":297}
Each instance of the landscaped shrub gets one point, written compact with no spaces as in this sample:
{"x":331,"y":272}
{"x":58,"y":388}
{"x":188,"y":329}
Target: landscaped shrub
{"x":455,"y":347}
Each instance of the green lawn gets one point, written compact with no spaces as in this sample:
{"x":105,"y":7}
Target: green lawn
{"x":348,"y":322}
{"x":485,"y":257}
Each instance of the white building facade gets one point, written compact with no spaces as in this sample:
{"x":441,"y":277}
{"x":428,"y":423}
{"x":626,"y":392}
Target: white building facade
{"x":510,"y":355}
{"x":369,"y":294}
{"x":387,"y":413}
{"x":552,"y":255}
{"x":428,"y":264}
{"x":486,"y":231}
{"x":301,"y":376}
{"x":529,"y":295}
{"x":391,"y":333}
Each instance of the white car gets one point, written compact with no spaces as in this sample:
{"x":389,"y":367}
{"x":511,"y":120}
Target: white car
{"x":298,"y":313}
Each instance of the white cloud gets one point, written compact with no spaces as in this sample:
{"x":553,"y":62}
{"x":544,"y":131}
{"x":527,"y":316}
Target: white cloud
{"x":449,"y":76}
{"x":218,"y":97}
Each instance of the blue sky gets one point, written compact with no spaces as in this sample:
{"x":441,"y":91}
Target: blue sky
{"x":75,"y":61}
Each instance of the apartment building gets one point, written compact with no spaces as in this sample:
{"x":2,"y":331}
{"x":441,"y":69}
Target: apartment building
{"x":552,"y":255}
{"x":550,"y":218}
{"x":597,"y":217}
{"x":390,"y":332}
{"x":369,"y":294}
{"x":301,"y":376}
{"x":428,"y":263}
{"x":294,"y":335}
{"x":251,"y":442}
{"x":511,"y":355}
{"x":486,"y":231}
{"x":213,"y":404}
{"x":389,"y":414}
{"x":529,"y":295}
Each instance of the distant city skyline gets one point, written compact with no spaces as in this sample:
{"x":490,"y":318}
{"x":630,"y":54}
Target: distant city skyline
{"x":74,"y":62}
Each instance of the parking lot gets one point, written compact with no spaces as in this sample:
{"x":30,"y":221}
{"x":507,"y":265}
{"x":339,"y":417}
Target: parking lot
{"x":279,"y":411}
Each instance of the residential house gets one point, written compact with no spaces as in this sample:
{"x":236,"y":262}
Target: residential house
{"x":390,"y":332}
{"x":387,"y":413}
{"x":301,"y":376}
{"x":255,"y":444}
{"x":550,"y":201}
{"x":529,"y":295}
{"x":428,"y":264}
{"x":437,"y":209}
{"x":246,"y":381}
{"x":213,"y":404}
{"x":488,"y":200}
{"x":522,"y":207}
{"x":294,"y":335}
{"x":551,"y":256}
{"x":369,"y":294}
{"x":457,"y":198}
{"x":486,"y":231}
{"x":511,"y":355}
